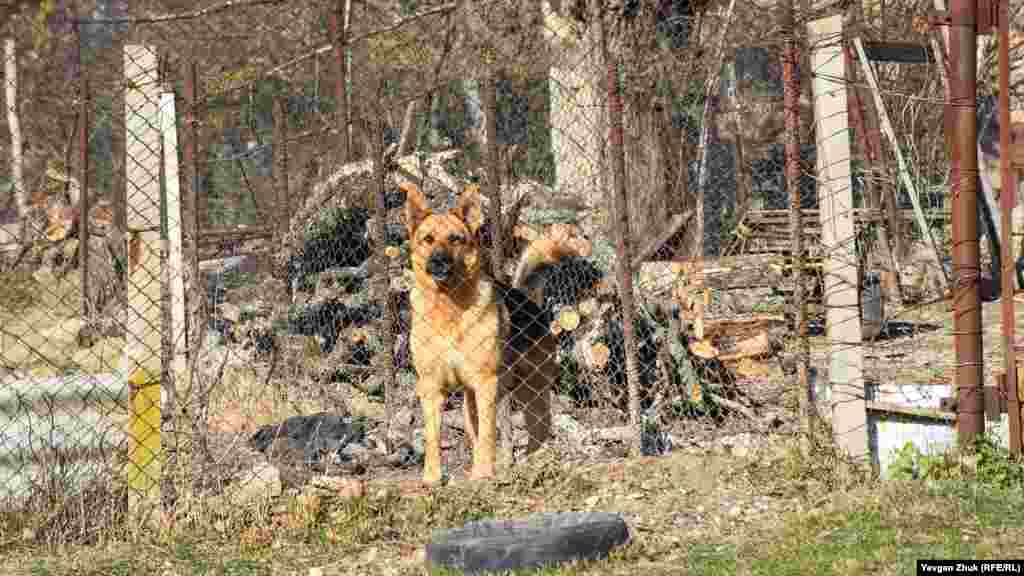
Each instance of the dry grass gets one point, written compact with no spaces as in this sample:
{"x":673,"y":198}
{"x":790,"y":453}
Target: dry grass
{"x":774,"y":511}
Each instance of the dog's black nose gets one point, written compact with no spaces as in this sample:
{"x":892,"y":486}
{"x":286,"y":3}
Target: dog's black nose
{"x":440,"y":265}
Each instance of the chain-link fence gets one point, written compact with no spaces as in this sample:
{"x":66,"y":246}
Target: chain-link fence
{"x":253,"y":245}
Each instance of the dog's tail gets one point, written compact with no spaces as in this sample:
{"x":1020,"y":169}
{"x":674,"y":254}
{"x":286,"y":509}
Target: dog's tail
{"x":549,"y":248}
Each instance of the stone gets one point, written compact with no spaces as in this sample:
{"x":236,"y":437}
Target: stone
{"x":260,"y":483}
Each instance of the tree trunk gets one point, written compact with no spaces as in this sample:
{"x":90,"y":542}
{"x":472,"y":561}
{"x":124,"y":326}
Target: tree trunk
{"x":14,"y":124}
{"x":651,"y":200}
{"x":578,"y":115}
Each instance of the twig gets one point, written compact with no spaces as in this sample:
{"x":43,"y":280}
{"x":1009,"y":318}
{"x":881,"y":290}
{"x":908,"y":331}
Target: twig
{"x":442,"y":9}
{"x":904,"y":172}
{"x":202,"y":12}
{"x":407,"y":141}
{"x":732,"y":405}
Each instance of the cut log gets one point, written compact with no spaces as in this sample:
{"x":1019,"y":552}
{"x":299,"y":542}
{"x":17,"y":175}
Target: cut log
{"x":555,"y":328}
{"x":704,"y":349}
{"x":358,"y":336}
{"x":568,"y":319}
{"x":598,"y":355}
{"x":588,"y":307}
{"x":752,"y":368}
{"x":748,"y":348}
{"x":738,"y":326}
{"x":659,"y":278}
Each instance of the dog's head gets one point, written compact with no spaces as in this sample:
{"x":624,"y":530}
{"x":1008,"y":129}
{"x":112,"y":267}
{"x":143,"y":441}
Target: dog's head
{"x":445,"y":247}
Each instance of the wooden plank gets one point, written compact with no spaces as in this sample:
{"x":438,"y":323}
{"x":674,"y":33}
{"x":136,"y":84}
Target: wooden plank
{"x":142,"y":363}
{"x":175,"y":221}
{"x":898,"y":52}
{"x":900,"y":410}
{"x":835,"y":201}
{"x":859,"y":214}
{"x":731,"y":326}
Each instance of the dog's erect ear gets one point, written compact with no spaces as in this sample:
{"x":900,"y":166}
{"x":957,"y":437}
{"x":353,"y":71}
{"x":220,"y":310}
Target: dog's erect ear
{"x":469,"y":208}
{"x":416,"y":207}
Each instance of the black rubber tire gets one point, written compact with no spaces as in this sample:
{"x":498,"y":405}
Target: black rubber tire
{"x":531,"y":542}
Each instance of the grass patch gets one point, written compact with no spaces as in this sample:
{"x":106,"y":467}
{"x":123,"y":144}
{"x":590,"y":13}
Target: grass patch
{"x":711,"y":560}
{"x":832,"y":522}
{"x":885,"y":530}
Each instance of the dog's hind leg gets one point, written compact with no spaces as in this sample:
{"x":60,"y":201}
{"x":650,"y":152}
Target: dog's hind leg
{"x":506,"y":433}
{"x":535,"y":402}
{"x":533,"y":395}
{"x":432,"y":401}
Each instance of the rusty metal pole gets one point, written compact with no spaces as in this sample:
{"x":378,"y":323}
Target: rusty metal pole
{"x":489,"y":84}
{"x":791,"y":107}
{"x":280,"y":114}
{"x":83,"y":200}
{"x":190,"y":206}
{"x":334,"y":19}
{"x":381,"y":282}
{"x":880,"y":197}
{"x":966,"y":254}
{"x":623,"y":247}
{"x":1008,"y":199}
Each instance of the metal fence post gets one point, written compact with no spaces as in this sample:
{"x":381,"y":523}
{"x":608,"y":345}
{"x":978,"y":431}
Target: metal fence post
{"x":966,"y":254}
{"x":623,"y":248}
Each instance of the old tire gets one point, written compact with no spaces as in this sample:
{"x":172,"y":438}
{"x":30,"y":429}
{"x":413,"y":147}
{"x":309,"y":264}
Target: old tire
{"x":531,"y":542}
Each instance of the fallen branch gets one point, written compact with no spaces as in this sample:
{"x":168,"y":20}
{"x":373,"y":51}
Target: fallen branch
{"x":733,"y":406}
{"x":191,"y":15}
{"x":674,"y":225}
{"x":407,"y":141}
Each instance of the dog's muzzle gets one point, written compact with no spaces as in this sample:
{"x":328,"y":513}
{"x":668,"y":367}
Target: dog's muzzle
{"x":441,"y":266}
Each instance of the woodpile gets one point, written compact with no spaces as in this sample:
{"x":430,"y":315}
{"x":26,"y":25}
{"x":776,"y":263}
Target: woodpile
{"x":734,"y":308}
{"x":696,"y":326}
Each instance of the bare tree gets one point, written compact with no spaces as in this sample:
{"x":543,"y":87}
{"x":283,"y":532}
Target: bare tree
{"x":14,"y":123}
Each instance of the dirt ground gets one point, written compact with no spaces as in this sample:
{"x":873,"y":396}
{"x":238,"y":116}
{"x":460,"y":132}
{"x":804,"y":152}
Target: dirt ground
{"x":734,"y":496}
{"x":917,"y":345}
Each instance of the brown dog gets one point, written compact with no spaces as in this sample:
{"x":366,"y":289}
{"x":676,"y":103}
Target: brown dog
{"x":475,"y":334}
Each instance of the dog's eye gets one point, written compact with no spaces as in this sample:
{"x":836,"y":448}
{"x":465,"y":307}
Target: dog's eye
{"x":428,"y":239}
{"x":456,"y":238}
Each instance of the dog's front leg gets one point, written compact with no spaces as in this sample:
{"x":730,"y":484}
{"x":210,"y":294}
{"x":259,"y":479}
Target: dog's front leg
{"x":432,"y":402}
{"x":487,"y":430}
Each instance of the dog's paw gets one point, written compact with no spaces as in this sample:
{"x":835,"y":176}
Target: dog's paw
{"x":482,"y":473}
{"x":431,"y":478}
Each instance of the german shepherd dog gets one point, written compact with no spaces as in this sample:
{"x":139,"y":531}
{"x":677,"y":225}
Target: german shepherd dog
{"x":476,"y":334}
